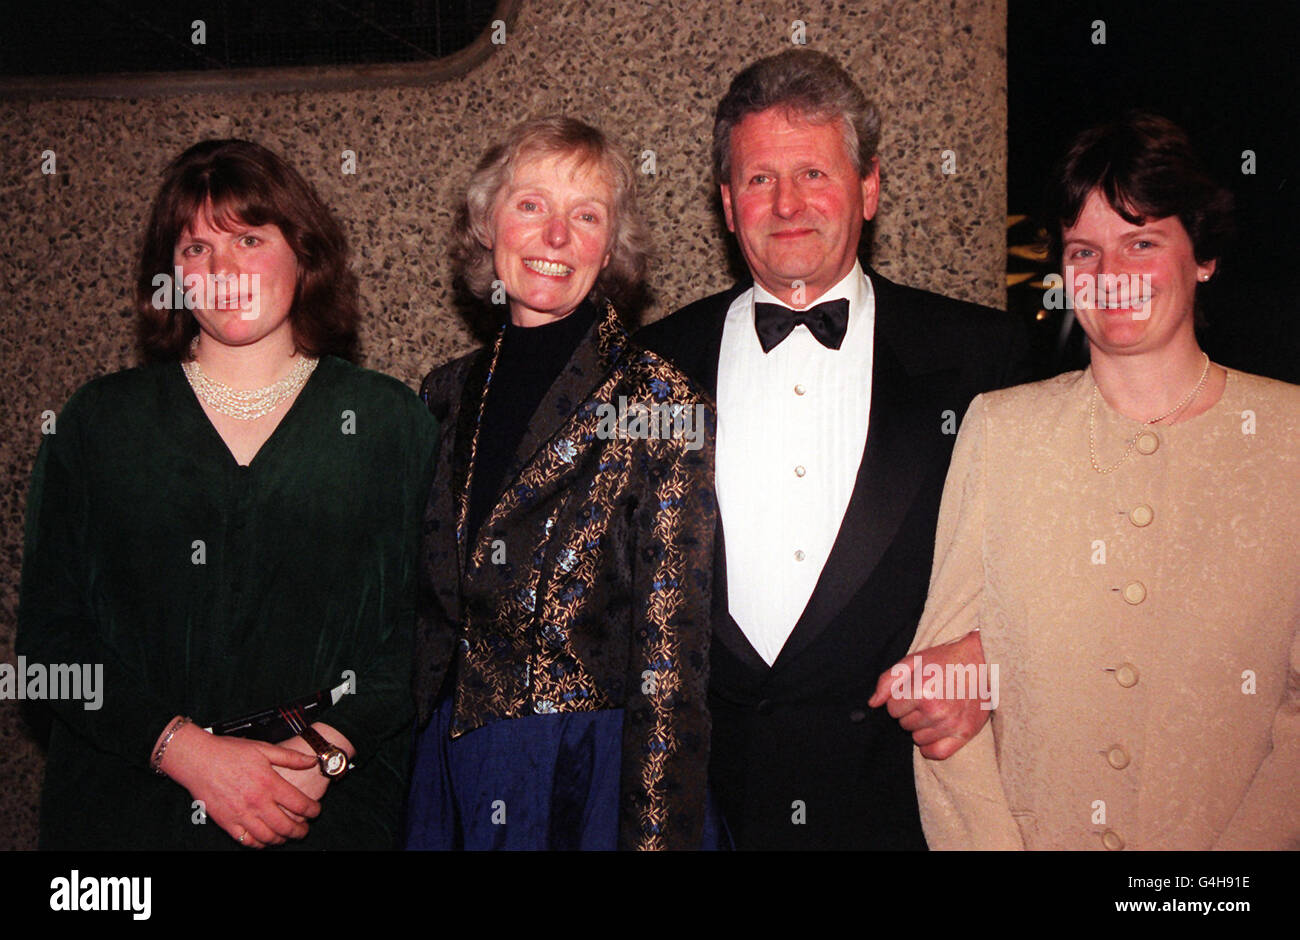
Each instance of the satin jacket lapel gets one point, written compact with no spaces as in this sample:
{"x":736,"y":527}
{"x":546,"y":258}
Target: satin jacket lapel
{"x":462,"y":468}
{"x":590,"y":365}
{"x":710,"y":348}
{"x":455,"y":399}
{"x":696,"y":348}
{"x":700,"y":362}
{"x":725,"y":629}
{"x":903,"y":434}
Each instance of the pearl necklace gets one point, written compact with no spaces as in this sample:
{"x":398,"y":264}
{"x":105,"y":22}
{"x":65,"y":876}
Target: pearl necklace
{"x":1092,"y":420}
{"x":246,"y":404}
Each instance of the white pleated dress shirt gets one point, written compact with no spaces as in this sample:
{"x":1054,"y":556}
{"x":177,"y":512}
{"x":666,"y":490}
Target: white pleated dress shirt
{"x":792,"y":425}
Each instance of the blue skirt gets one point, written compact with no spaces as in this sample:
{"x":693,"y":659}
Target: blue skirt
{"x":542,"y":782}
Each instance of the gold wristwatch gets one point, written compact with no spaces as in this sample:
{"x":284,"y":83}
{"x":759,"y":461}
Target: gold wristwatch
{"x":331,"y":758}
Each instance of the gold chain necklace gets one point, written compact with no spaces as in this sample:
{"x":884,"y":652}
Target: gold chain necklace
{"x":1092,"y":420}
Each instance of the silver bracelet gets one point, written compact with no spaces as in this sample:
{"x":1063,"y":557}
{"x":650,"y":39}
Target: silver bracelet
{"x":156,"y":761}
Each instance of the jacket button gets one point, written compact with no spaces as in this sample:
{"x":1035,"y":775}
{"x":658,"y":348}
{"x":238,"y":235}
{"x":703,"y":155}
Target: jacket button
{"x":857,"y":716}
{"x":1127,"y":675}
{"x":1141,"y":515}
{"x":764,"y":707}
{"x":1147,"y":442}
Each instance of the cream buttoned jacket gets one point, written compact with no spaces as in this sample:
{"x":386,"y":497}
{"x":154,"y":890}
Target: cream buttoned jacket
{"x":1144,"y":624}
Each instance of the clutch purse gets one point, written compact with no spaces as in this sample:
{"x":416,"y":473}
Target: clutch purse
{"x":273,"y":724}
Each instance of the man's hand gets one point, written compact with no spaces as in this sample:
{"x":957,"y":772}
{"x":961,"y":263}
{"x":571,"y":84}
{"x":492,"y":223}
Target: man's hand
{"x":940,"y":727}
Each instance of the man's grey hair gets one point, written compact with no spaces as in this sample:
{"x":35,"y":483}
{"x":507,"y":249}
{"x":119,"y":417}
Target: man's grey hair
{"x":808,"y":84}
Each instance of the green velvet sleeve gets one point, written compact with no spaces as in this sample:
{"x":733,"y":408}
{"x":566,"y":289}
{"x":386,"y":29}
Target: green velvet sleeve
{"x":56,"y":620}
{"x":382,"y":703}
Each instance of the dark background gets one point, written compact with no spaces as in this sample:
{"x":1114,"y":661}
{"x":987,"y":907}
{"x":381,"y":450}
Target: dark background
{"x":1227,"y":73}
{"x":71,"y":37}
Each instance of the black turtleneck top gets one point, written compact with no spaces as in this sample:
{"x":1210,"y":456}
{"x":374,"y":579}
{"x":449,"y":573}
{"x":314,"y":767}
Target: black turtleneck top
{"x":531,"y":359}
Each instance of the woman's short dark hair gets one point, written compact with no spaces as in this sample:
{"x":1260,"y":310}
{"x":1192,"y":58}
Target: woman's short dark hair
{"x":246,"y":184}
{"x":622,"y":280}
{"x":1145,"y":168}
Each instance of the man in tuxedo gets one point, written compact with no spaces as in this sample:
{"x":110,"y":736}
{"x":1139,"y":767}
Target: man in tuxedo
{"x":838,"y":394}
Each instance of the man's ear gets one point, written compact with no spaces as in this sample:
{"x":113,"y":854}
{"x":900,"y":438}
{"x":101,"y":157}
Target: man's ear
{"x":871,"y":190}
{"x":726,"y":206}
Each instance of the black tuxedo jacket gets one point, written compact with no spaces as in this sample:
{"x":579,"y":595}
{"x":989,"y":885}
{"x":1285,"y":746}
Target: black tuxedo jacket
{"x":798,"y":759}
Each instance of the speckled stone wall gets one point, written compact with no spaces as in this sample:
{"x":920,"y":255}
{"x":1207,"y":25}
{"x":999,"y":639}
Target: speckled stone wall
{"x":649,"y":73}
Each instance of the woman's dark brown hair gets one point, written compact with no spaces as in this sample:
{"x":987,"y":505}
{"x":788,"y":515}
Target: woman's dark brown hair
{"x":247,"y":184}
{"x":1145,"y":168}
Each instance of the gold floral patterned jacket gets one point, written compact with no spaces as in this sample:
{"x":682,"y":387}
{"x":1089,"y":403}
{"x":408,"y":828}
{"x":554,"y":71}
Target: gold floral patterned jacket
{"x":587,"y":586}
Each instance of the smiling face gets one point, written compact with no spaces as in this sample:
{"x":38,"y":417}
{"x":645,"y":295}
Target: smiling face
{"x":551,"y":229}
{"x":239,"y":283}
{"x":1156,"y":258}
{"x":796,"y":203}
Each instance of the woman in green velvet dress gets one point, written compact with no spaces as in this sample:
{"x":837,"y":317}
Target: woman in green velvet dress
{"x":227,"y":529}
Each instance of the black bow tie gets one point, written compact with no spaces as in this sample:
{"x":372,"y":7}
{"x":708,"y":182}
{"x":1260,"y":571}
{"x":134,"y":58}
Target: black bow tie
{"x":827,"y":321}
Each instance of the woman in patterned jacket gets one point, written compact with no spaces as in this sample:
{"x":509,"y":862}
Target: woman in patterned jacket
{"x":564,"y":623}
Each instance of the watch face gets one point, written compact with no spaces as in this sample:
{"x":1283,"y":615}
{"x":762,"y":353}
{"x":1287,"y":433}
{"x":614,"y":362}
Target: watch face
{"x":335,"y":762}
